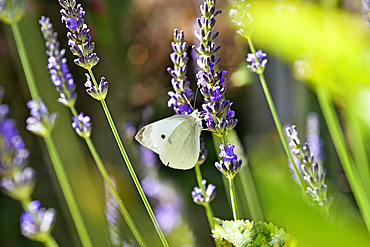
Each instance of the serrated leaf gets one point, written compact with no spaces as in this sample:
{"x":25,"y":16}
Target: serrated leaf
{"x":245,"y":233}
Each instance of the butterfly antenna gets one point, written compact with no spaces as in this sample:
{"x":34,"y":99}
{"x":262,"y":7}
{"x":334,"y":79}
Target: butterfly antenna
{"x":187,"y":100}
{"x":195,"y":97}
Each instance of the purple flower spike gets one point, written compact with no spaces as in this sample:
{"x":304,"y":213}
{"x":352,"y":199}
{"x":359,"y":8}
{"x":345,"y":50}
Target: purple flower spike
{"x":57,"y":65}
{"x":13,"y":152}
{"x":310,"y":170}
{"x":97,"y":93}
{"x":257,"y":66}
{"x":82,"y":125}
{"x":314,"y":140}
{"x":12,"y":11}
{"x":21,"y":185}
{"x":112,"y":213}
{"x":198,"y":195}
{"x":40,"y":122}
{"x":228,"y":152}
{"x":182,"y":94}
{"x":210,"y":80}
{"x":168,"y":207}
{"x":37,"y":222}
{"x":79,"y":35}
{"x":230,"y":166}
{"x":366,"y":11}
{"x":168,"y":216}
{"x":202,"y":153}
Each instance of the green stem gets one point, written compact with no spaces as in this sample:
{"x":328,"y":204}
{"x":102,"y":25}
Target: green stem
{"x":24,"y":60}
{"x":279,"y":127}
{"x":67,"y":191}
{"x":50,"y":241}
{"x":250,"y":192}
{"x":111,"y":187}
{"x":337,"y":136}
{"x":81,"y":228}
{"x":129,"y":166}
{"x":114,"y":192}
{"x":24,"y":202}
{"x":207,"y":206}
{"x":276,"y":118}
{"x":359,"y":152}
{"x":233,"y":199}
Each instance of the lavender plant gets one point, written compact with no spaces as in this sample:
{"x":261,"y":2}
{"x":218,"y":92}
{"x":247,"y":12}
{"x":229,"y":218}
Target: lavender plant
{"x":181,"y":99}
{"x":81,"y":46}
{"x":366,"y":11}
{"x":64,"y":83}
{"x":309,"y":174}
{"x":111,"y":215}
{"x":41,"y":123}
{"x":182,"y":95}
{"x":311,"y":171}
{"x":17,"y":180}
{"x":168,"y":207}
{"x":243,"y":19}
{"x":212,"y":84}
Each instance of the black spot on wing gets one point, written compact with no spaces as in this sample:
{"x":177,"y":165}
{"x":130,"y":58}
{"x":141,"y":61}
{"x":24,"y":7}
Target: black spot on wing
{"x":163,"y":136}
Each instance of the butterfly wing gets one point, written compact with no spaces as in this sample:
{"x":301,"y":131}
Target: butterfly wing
{"x":183,"y":146}
{"x":155,"y":135}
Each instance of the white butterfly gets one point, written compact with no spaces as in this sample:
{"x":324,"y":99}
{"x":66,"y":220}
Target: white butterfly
{"x":175,"y":139}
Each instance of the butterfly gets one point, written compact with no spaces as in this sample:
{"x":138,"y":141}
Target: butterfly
{"x":175,"y":139}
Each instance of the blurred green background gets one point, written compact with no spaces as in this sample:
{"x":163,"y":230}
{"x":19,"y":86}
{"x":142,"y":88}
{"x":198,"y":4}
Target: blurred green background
{"x":133,"y":43}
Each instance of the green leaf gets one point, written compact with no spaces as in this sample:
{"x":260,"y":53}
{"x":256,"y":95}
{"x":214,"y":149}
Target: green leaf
{"x":245,"y":233}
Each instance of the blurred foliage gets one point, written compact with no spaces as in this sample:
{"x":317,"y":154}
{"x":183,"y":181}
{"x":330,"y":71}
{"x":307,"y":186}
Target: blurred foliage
{"x":327,"y":46}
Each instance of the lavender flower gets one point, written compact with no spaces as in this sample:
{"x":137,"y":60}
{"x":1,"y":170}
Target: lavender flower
{"x":21,"y":185}
{"x":257,"y":66}
{"x":17,"y":182}
{"x":198,"y":196}
{"x":97,"y":93}
{"x":230,"y":166}
{"x":37,"y":222}
{"x":168,"y":216}
{"x":366,"y":11}
{"x":313,"y":172}
{"x":12,"y":148}
{"x":12,"y":10}
{"x":313,"y":136}
{"x":168,"y":207}
{"x":111,"y":214}
{"x":202,"y":153}
{"x":182,"y":95}
{"x":239,"y":13}
{"x":13,"y":152}
{"x":148,"y":158}
{"x":130,"y":130}
{"x":79,"y":36}
{"x":211,"y":81}
{"x":58,"y":68}
{"x":82,"y":125}
{"x":40,"y":122}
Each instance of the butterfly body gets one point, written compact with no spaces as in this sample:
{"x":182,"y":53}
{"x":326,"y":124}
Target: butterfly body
{"x":175,"y":139}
